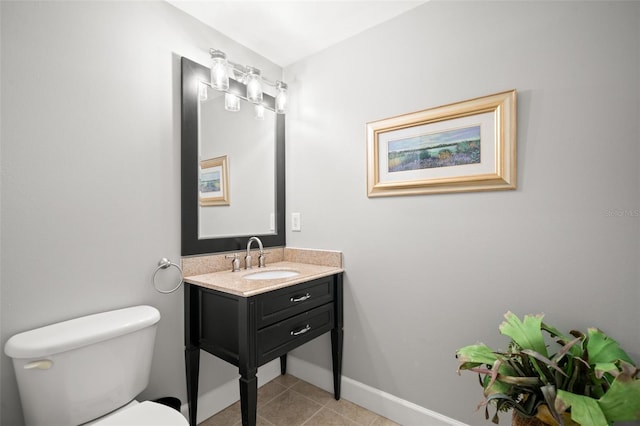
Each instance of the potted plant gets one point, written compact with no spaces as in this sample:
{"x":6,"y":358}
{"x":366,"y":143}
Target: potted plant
{"x":588,"y":380}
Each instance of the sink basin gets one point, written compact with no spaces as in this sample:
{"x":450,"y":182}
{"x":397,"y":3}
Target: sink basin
{"x":271,"y":275}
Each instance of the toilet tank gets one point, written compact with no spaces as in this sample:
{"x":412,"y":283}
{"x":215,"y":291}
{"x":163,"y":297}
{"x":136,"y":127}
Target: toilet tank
{"x":74,"y":371}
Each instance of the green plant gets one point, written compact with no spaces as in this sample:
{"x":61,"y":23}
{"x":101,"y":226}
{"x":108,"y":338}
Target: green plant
{"x":589,"y":379}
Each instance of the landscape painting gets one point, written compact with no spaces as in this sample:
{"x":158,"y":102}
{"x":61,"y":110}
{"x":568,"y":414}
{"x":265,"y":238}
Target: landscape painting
{"x":210,"y":181}
{"x":442,"y":149}
{"x":458,"y":147}
{"x":213,"y":182}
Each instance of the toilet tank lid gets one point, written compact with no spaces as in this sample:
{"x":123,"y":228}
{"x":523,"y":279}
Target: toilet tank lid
{"x":75,"y":333}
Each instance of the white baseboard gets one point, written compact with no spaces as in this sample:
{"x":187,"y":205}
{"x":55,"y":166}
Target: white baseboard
{"x":223,"y":396}
{"x":400,"y":411}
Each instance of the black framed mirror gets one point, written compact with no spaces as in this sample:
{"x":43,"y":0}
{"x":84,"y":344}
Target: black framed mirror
{"x":193,"y":243}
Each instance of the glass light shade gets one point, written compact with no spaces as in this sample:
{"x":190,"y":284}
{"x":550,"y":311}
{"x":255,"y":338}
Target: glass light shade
{"x":203,"y":93}
{"x":281,"y":97}
{"x":219,"y":71}
{"x":259,"y":111}
{"x":231,"y":102}
{"x":254,"y":85}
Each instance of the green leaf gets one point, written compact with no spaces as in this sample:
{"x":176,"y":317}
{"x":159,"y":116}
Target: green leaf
{"x":603,"y":349}
{"x":622,"y":401}
{"x":584,"y":410}
{"x":527,"y":334}
{"x":605,"y":367}
{"x":497,"y":387}
{"x":554,"y":332}
{"x":475,"y":355}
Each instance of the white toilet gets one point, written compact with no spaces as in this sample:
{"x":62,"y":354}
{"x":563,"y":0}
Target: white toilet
{"x":88,"y":370}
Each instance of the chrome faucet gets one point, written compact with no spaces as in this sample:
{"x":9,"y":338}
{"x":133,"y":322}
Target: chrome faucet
{"x":247,"y":258}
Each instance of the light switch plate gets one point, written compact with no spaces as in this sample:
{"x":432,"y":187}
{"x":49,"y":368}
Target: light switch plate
{"x":295,"y":222}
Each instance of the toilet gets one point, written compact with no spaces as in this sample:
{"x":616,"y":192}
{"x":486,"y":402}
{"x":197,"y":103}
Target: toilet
{"x":88,"y":370}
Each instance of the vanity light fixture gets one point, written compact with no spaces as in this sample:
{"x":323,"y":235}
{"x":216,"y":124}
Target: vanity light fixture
{"x":222,"y":69}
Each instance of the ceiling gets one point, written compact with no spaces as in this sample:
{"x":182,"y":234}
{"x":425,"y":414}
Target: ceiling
{"x":287,"y":31}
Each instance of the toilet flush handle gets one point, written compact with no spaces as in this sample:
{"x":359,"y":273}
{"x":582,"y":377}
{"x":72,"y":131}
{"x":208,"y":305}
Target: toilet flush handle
{"x":43,"y":364}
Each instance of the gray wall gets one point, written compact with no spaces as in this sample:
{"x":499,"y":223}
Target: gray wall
{"x":91,"y":168}
{"x":426,"y":275}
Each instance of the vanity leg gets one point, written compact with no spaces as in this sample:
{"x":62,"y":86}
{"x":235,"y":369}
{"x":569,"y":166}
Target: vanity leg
{"x":337,"y":337}
{"x":191,"y":349}
{"x":192,"y":362}
{"x":248,"y":360}
{"x":336,"y":356}
{"x":283,"y":364}
{"x":249,"y":399}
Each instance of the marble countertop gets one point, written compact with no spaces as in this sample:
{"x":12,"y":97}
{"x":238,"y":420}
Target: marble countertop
{"x":234,"y":283}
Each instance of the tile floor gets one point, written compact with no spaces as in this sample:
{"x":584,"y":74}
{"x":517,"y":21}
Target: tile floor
{"x":289,"y":401}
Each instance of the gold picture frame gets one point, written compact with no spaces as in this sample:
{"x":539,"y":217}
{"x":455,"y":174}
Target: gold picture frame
{"x":460,"y":147}
{"x":213,"y":182}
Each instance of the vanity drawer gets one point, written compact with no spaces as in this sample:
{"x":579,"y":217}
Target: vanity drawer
{"x":284,"y":303}
{"x":278,"y":339}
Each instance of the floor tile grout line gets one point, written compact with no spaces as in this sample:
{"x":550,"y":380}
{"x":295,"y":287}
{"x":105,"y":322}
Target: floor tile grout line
{"x":348,"y":418}
{"x":291,"y":385}
{"x":311,"y":416}
{"x":263,"y":419}
{"x":290,"y":389}
{"x":309,"y":398}
{"x":273,"y":398}
{"x":325,"y":405}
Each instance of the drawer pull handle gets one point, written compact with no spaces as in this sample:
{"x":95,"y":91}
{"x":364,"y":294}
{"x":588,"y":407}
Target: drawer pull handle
{"x":300,"y":331}
{"x":300,"y":298}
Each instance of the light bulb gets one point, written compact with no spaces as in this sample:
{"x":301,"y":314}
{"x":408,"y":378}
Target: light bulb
{"x":202,"y":92}
{"x":231,"y":102}
{"x":281,"y":97}
{"x":219,"y":71}
{"x":254,"y":85}
{"x":259,"y":111}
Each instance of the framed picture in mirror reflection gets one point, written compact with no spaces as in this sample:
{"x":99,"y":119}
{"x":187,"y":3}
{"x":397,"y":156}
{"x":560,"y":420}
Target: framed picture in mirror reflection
{"x":213,"y":182}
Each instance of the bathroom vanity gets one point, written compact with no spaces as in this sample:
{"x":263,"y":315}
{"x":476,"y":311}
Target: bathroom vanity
{"x":249,"y":321}
{"x":246,"y":321}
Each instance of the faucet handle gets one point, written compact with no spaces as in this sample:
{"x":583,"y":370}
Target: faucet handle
{"x":261,"y":262}
{"x":235,"y":263}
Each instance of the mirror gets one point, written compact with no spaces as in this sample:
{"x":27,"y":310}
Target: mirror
{"x":237,"y":168}
{"x":232,"y":169}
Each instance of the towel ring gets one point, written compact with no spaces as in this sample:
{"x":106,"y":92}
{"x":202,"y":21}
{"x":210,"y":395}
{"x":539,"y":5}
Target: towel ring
{"x":165,"y":263}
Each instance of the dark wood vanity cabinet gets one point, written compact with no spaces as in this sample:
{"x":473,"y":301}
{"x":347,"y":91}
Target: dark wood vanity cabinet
{"x":249,"y":331}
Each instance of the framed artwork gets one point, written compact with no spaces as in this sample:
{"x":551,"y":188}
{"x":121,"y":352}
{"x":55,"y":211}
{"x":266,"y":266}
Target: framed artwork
{"x":213,"y":182}
{"x":460,"y":147}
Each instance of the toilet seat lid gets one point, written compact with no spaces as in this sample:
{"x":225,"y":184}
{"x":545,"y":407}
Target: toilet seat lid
{"x":146,"y":413}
